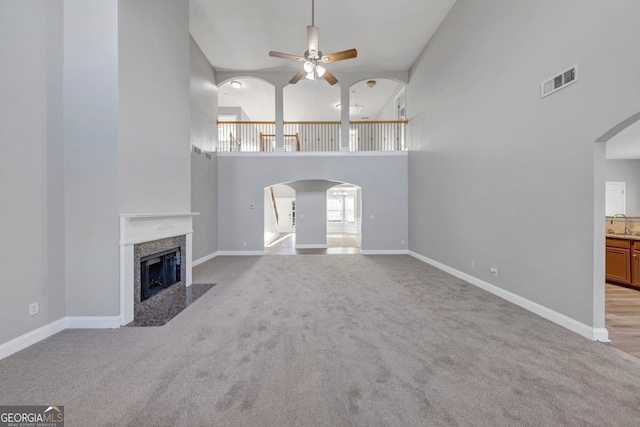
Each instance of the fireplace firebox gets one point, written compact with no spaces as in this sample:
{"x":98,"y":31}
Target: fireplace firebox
{"x":158,"y":272}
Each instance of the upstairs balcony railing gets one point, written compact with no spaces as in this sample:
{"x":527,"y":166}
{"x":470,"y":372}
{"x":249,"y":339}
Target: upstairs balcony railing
{"x":388,"y":135}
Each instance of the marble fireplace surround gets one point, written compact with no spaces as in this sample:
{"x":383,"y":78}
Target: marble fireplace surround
{"x":143,"y":228}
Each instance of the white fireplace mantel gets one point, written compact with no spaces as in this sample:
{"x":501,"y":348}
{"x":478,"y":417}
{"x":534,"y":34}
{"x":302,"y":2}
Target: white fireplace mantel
{"x":158,"y":215}
{"x":140,"y":228}
{"x":147,"y":227}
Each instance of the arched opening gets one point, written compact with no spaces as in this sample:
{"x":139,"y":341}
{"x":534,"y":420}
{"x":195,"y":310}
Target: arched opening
{"x":312,"y":216}
{"x":377,"y":107}
{"x":377,"y":99}
{"x":302,"y":102}
{"x":311,"y":117}
{"x":617,"y":196}
{"x":244,"y":100}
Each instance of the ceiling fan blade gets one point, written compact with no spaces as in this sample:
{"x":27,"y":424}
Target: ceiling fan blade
{"x":287,"y":56}
{"x":330,"y":78}
{"x":300,"y":74}
{"x":312,"y":41}
{"x":339,"y":56}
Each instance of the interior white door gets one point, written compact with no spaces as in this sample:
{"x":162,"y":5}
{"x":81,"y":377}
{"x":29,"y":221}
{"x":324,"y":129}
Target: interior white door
{"x":615,"y":198}
{"x":285,"y":214}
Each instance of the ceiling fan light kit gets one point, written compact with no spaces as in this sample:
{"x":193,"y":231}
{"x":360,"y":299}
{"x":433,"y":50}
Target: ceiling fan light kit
{"x":313,"y":57}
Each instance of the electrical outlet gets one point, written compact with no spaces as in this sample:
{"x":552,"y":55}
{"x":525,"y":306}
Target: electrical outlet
{"x":244,"y":243}
{"x":494,"y":271}
{"x":402,"y":242}
{"x":34,"y":309}
{"x":473,"y":263}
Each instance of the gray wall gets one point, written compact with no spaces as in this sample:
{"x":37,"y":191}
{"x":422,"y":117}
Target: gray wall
{"x":627,"y":171}
{"x":203,"y":199}
{"x":388,"y":110}
{"x":311,"y":218}
{"x":241,"y":115}
{"x":204,"y":135}
{"x":311,"y":212}
{"x":90,"y":156}
{"x":95,"y":100}
{"x":31,"y":165}
{"x":154,"y":94}
{"x":204,"y":100}
{"x":284,"y":192}
{"x":242,"y":178}
{"x":495,"y":167}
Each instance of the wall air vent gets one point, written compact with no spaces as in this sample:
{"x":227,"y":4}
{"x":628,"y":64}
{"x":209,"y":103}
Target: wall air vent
{"x":560,"y":81}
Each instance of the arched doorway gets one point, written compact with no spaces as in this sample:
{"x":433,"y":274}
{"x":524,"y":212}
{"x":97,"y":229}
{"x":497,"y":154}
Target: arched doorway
{"x":377,"y":108}
{"x":617,"y":279}
{"x":245,"y":105}
{"x":306,"y":217}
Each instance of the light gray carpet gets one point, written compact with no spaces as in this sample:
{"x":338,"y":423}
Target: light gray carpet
{"x":331,"y":340}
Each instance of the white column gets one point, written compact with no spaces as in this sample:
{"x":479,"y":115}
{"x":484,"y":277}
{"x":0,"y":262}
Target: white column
{"x":279,"y":117}
{"x":344,"y":117}
{"x":127,"y":270}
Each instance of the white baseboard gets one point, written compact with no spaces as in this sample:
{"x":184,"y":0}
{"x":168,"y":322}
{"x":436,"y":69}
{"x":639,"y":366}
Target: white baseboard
{"x":240,"y":253}
{"x":204,"y":259}
{"x":600,"y":334}
{"x":70,"y":322}
{"x":384,"y":251}
{"x":312,"y":246}
{"x":595,"y":334}
{"x":30,"y":338}
{"x":92,"y":322}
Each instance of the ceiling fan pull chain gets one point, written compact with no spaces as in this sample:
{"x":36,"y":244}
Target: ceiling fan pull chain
{"x":313,"y":14}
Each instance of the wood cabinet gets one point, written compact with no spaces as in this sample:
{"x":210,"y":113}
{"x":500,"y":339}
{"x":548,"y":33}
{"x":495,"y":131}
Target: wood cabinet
{"x":618,"y":262}
{"x":635,"y":264}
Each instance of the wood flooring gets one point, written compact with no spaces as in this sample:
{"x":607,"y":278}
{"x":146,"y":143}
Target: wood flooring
{"x":622,"y":318}
{"x":337,"y":243}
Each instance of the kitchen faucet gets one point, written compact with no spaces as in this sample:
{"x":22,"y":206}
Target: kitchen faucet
{"x":626,"y":222}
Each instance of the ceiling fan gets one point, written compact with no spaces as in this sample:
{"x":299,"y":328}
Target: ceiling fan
{"x":313,"y":57}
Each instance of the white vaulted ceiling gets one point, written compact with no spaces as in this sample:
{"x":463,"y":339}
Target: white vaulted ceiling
{"x":389,"y":35}
{"x":238,"y":35}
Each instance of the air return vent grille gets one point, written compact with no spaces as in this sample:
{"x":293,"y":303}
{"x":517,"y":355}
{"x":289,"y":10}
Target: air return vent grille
{"x":560,"y":81}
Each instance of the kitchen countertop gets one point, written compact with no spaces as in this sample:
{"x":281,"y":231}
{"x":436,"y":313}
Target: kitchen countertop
{"x":623,"y":236}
